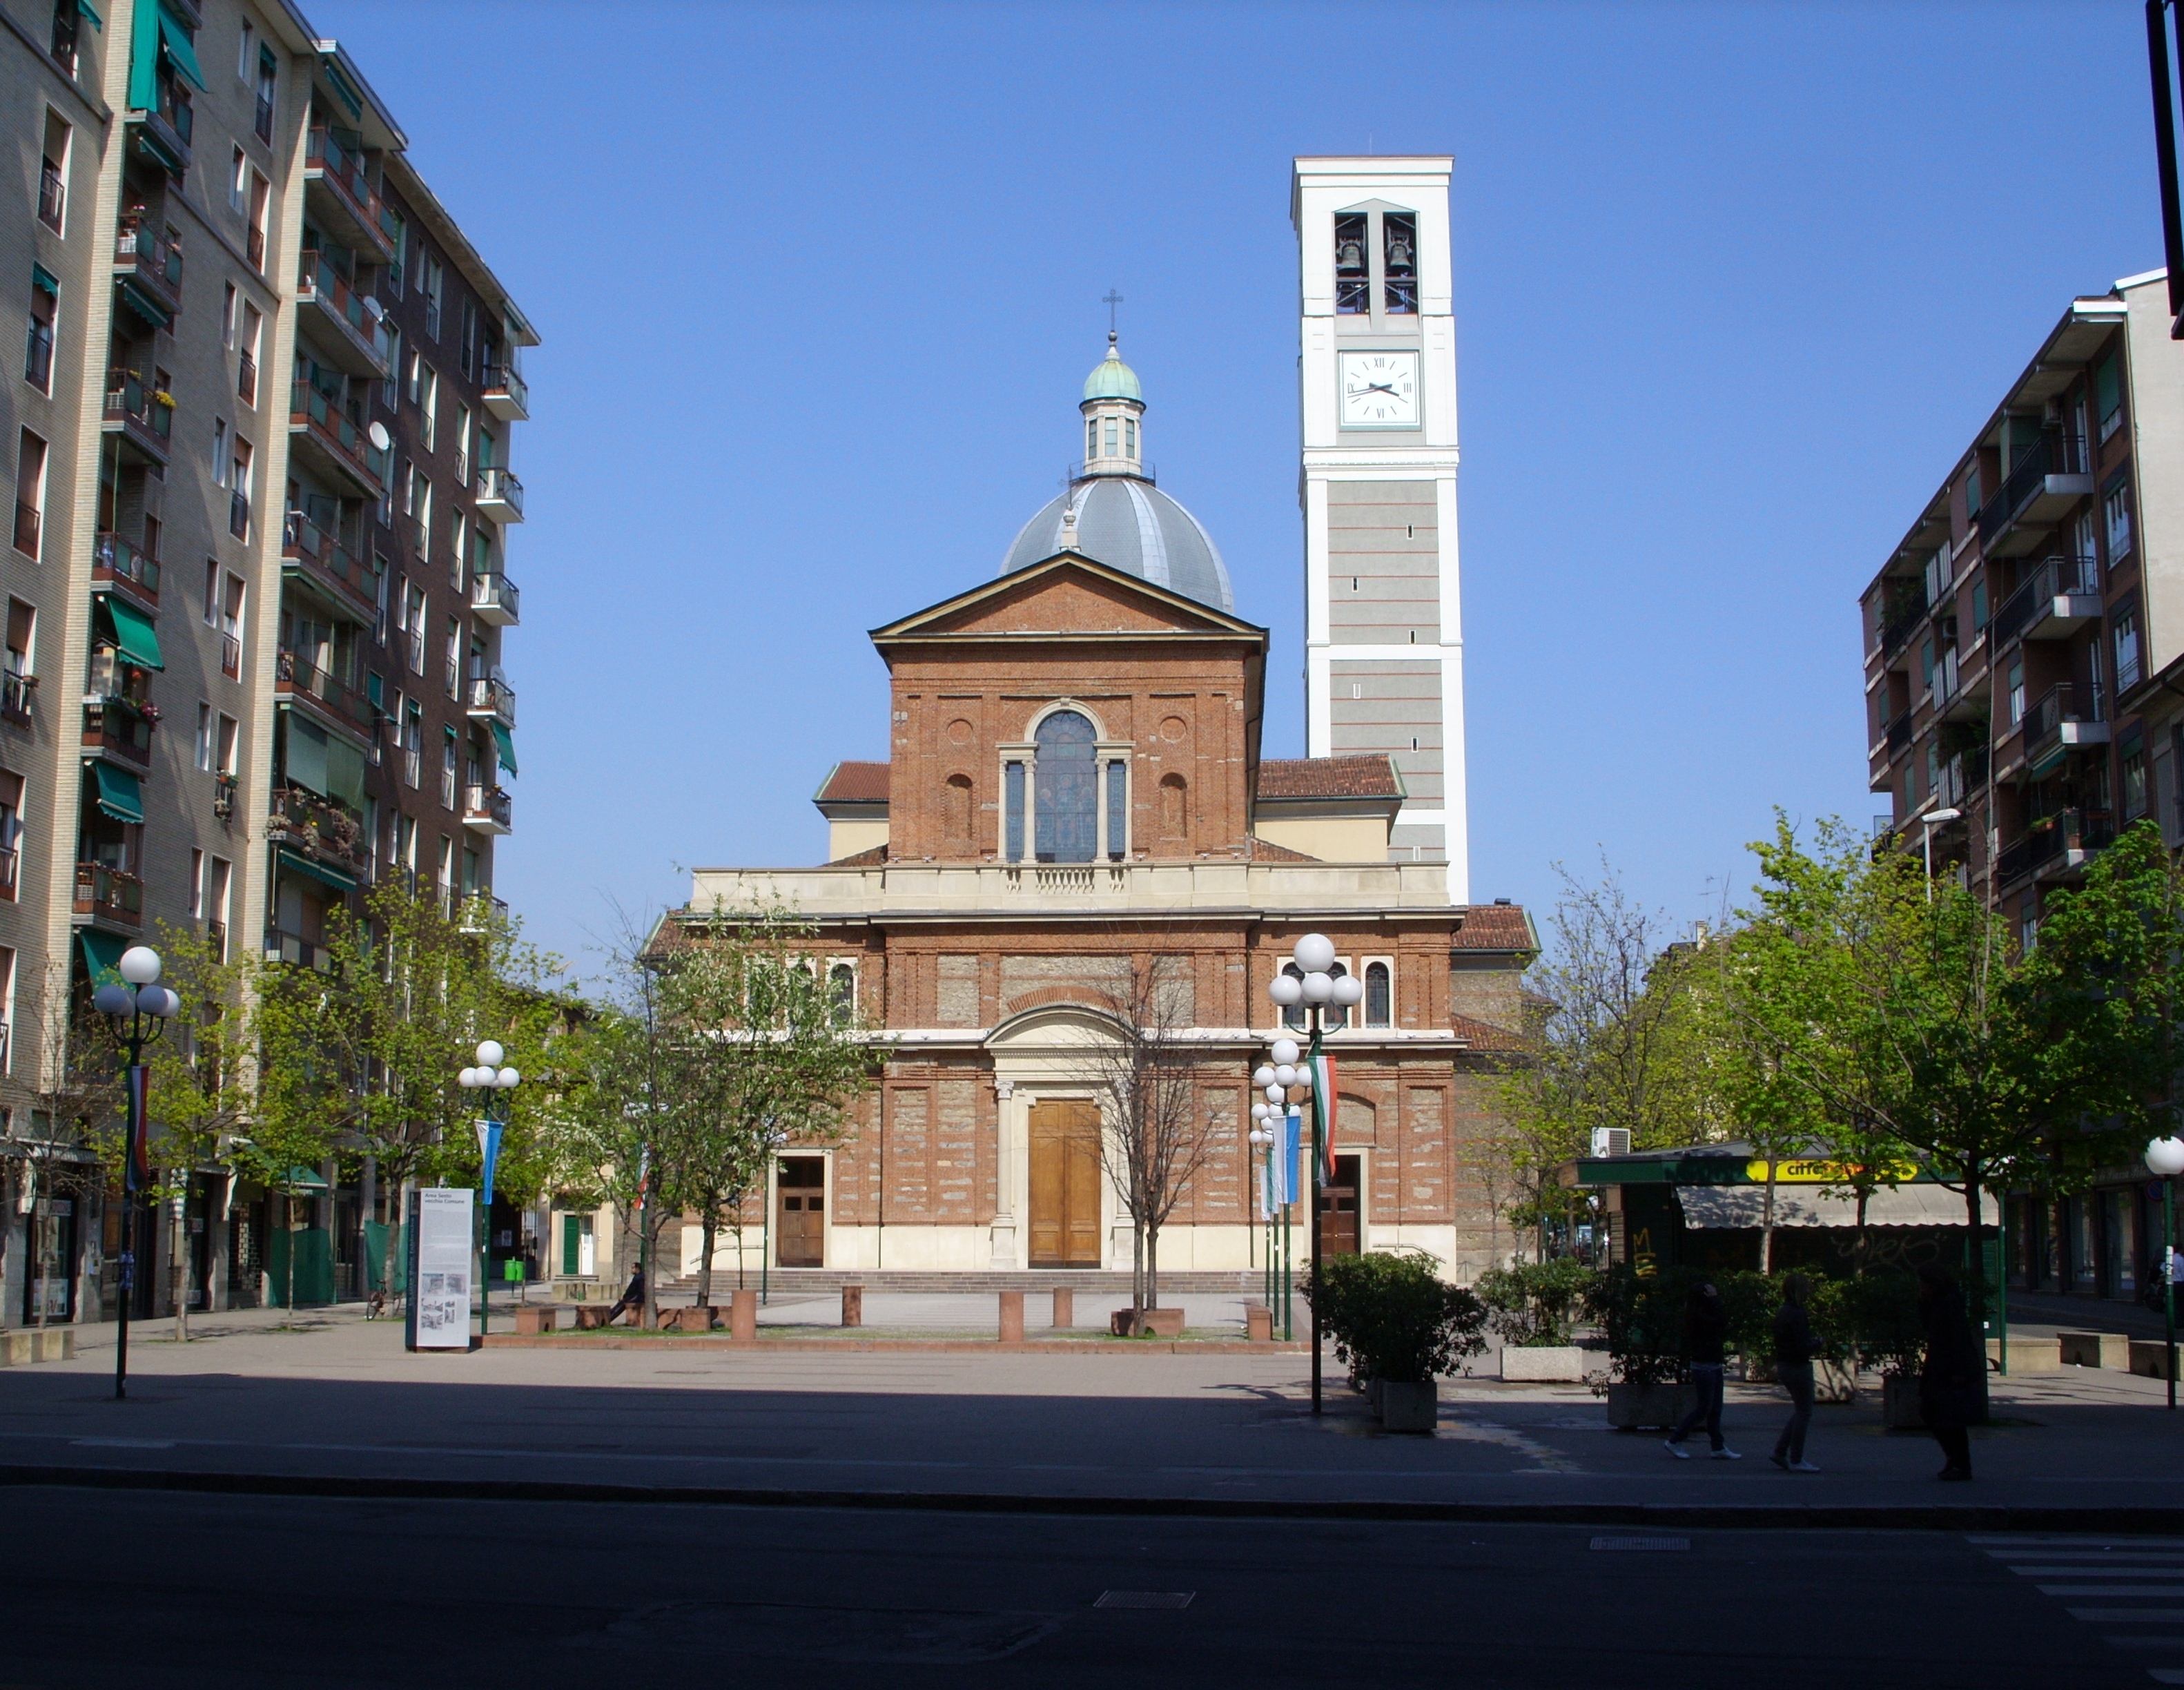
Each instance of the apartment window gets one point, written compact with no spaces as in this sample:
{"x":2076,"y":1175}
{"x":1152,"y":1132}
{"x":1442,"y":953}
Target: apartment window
{"x":45,"y":310}
{"x":246,"y":370}
{"x":435,"y":280}
{"x":17,"y":675}
{"x":1379,"y":994}
{"x":1972,"y":495}
{"x":462,"y":445}
{"x":413,"y":624}
{"x":448,"y":768}
{"x":2126,"y":649}
{"x":428,"y":427}
{"x":404,"y":848}
{"x":2115,"y":518}
{"x":239,"y":489}
{"x":2016,"y":690}
{"x":212,"y":592}
{"x":11,"y":832}
{"x":413,"y":746}
{"x":2108,"y":395}
{"x":2134,"y":779}
{"x":470,"y":336}
{"x":219,"y":454}
{"x":260,"y":198}
{"x":459,"y":550}
{"x":454,"y":656}
{"x":217,"y":900}
{"x":197,"y":884}
{"x":416,"y":376}
{"x":1926,"y":664}
{"x":204,"y":737}
{"x":246,"y":58}
{"x":229,"y":314}
{"x":469,"y":874}
{"x":382,"y":579}
{"x":30,"y":493}
{"x":7,"y":1011}
{"x":226,"y":731}
{"x":53,"y":173}
{"x":423,"y":536}
{"x":231,"y":627}
{"x":390,"y":390}
{"x":1979,"y":607}
{"x":408,"y":488}
{"x":238,"y":182}
{"x":269,"y":79}
{"x":67,"y":22}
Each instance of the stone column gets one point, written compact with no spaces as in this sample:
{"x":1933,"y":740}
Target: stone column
{"x":1004,"y":1248}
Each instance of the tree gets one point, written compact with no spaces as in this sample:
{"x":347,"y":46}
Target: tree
{"x":1159,"y":1130}
{"x":1612,"y":1040}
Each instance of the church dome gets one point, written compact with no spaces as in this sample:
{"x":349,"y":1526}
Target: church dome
{"x":1112,"y":379}
{"x":1128,"y":524}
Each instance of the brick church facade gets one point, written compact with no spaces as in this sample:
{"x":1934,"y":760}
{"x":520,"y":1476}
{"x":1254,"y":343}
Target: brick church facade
{"x":1074,"y":783}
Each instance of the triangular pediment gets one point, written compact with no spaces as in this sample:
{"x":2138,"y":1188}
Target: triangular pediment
{"x":1070,"y":596}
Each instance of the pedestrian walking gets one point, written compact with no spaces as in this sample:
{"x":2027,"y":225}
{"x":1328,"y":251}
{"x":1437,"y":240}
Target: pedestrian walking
{"x":1948,"y":1384}
{"x":1706,"y":1336}
{"x":1794,"y":1350}
{"x":632,"y":1300}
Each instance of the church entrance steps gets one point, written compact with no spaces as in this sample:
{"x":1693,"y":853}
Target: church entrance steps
{"x":1089,"y":1281}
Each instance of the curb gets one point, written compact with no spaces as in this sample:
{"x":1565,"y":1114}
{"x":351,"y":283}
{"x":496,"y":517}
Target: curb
{"x":974,"y":1347}
{"x":1914,"y":1517}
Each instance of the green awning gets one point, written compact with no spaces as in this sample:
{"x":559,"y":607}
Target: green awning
{"x":145,"y":306}
{"x":118,"y":794}
{"x":101,"y":956}
{"x":305,"y":1180}
{"x":175,"y":42}
{"x":45,"y":281}
{"x":505,"y":740}
{"x":137,"y":640}
{"x":294,"y":864}
{"x":92,"y":13}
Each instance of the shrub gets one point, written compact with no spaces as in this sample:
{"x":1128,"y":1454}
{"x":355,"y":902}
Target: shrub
{"x":1393,"y":1316}
{"x":1640,"y":1312}
{"x":1533,"y":1304}
{"x":1875,"y":1319}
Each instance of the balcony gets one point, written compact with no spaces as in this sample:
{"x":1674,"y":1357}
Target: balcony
{"x":165,"y":130}
{"x":348,"y":333}
{"x":1961,"y":684}
{"x":113,"y":728}
{"x":494,"y":601}
{"x":297,"y":951}
{"x":296,"y":677}
{"x":1962,"y":776}
{"x":488,"y":810}
{"x":2055,"y":845}
{"x":2062,"y":595}
{"x":121,"y":565}
{"x":308,"y":551}
{"x":349,"y":207}
{"x":499,"y":495}
{"x":143,"y":418}
{"x":103,"y":893}
{"x":2060,"y":720}
{"x":17,"y":697}
{"x":144,"y":256}
{"x":506,"y":395}
{"x":2045,"y":481}
{"x":303,"y":821}
{"x":479,"y":912}
{"x":334,"y":443}
{"x":1897,"y":625}
{"x":1898,"y":735}
{"x":490,"y":699}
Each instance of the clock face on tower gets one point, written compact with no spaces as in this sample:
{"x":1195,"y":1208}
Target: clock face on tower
{"x":1379,"y":389}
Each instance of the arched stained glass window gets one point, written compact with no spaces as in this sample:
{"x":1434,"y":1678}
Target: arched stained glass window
{"x":1066,"y":791}
{"x":1377,"y":995}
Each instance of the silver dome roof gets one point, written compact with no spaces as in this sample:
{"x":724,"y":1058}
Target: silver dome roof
{"x":1130,"y":524}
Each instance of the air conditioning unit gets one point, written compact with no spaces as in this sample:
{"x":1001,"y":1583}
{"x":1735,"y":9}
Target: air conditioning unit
{"x":1610,"y":1141}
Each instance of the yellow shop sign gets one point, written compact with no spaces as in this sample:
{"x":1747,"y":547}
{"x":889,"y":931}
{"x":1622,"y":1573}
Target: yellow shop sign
{"x":1813,"y":1172}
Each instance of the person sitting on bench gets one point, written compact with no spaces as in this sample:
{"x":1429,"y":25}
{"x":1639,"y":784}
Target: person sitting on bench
{"x":633,"y":1301}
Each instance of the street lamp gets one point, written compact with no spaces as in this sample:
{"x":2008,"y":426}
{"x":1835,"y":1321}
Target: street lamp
{"x":2164,"y":1160}
{"x":1315,"y":985}
{"x":487,"y":1077}
{"x":1933,"y":819}
{"x":136,"y":1006}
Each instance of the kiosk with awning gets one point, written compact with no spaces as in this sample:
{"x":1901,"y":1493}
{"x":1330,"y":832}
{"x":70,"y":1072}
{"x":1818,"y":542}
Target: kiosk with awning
{"x":1705,"y":1206}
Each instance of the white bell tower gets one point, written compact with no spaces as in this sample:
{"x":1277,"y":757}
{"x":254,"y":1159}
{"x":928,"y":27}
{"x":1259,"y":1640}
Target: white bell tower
{"x":1384,"y":634}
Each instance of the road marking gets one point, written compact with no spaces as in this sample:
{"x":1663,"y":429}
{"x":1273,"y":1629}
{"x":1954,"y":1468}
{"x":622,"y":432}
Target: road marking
{"x":2169,"y":1615}
{"x":1146,"y":1598}
{"x":1641,"y":1543}
{"x":2096,"y":1569}
{"x":2111,"y":1589}
{"x":121,"y":1443}
{"x":2081,"y":1559}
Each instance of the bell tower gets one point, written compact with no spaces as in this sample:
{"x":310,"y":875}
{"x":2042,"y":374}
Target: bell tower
{"x":1383,"y":639}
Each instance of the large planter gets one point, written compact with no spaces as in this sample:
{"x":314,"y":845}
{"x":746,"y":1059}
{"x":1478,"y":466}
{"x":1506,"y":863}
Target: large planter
{"x":1409,"y":1407}
{"x":1559,"y":1364}
{"x":1632,"y":1406}
{"x":1899,"y":1403}
{"x":1833,"y":1383}
{"x":1147,"y":1323}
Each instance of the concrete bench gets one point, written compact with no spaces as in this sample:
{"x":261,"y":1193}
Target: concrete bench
{"x":2095,"y":1349}
{"x":2029,"y":1355}
{"x":26,"y":1344}
{"x":590,"y":1319}
{"x":699,"y":1319}
{"x":534,"y":1317}
{"x":2145,"y":1359}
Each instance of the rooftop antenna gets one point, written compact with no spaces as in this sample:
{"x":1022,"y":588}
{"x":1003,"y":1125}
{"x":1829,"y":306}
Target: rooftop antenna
{"x":1110,"y":301}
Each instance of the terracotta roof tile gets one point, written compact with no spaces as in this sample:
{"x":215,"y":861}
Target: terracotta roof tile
{"x":1494,"y":927}
{"x":872,"y":856}
{"x":1265,"y":850}
{"x":1361,"y":777}
{"x":855,"y":783}
{"x":1484,"y":1036}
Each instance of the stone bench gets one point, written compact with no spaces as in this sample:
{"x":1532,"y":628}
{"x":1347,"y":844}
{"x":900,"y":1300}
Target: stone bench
{"x":2029,"y":1355}
{"x":590,"y":1319}
{"x":534,"y":1317}
{"x":23,"y":1345}
{"x":2095,"y":1349}
{"x":2146,"y":1359}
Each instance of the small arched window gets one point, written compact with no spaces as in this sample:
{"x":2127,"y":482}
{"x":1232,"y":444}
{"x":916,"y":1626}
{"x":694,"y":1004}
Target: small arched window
{"x":842,"y":992}
{"x":1379,"y":996}
{"x":1338,"y":1014}
{"x":1293,"y":1014}
{"x":1066,"y":789}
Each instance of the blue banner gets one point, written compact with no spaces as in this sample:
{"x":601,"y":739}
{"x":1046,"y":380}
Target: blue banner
{"x":489,"y":1148}
{"x":1287,"y":1150}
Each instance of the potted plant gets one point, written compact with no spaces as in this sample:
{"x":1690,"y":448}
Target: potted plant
{"x":1531,"y":1308}
{"x":1395,"y":1320}
{"x":1878,"y":1314}
{"x":1640,"y":1312}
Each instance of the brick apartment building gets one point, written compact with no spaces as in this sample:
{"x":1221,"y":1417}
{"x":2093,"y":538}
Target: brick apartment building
{"x":2022,"y":650}
{"x":257,"y":586}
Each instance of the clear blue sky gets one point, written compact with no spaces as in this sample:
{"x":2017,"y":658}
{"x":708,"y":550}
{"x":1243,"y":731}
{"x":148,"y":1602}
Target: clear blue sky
{"x":818,"y":285}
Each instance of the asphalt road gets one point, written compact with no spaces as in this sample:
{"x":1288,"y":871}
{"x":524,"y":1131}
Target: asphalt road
{"x":155,"y":1590}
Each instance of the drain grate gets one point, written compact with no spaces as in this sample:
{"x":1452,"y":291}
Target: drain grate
{"x":1641,"y":1542}
{"x":1145,"y":1598}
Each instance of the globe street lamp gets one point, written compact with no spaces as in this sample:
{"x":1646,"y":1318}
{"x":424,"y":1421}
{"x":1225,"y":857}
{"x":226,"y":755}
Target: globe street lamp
{"x":137,"y":1008}
{"x":486,"y":1079}
{"x":2164,"y":1160}
{"x":1315,"y":985}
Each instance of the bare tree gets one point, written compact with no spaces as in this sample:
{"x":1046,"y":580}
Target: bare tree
{"x":1159,"y":1132}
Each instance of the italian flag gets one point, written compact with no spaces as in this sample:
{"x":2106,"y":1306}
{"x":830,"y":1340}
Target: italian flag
{"x":1323,"y":1096}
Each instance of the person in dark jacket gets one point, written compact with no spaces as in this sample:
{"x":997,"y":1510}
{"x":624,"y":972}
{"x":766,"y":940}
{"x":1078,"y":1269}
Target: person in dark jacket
{"x":1794,"y":1350}
{"x":1706,"y":1333}
{"x":1948,"y":1384}
{"x":632,"y":1300}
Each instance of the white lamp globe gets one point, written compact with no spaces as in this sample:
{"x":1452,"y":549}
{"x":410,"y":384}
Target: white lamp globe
{"x":140,"y":965}
{"x":1349,"y":990}
{"x":1314,"y":953}
{"x":1283,"y":1051}
{"x":506,"y":1078}
{"x":1263,"y":1074}
{"x":1304,"y":1079}
{"x":2164,"y":1157}
{"x":114,"y":999}
{"x":1258,"y":1112}
{"x":467,"y":1078}
{"x":1285,"y":1075}
{"x":1318,"y":988}
{"x":160,"y":1001}
{"x":1259,"y":1140}
{"x":1274,"y":1094}
{"x":489,"y":1054}
{"x":1285,"y":989}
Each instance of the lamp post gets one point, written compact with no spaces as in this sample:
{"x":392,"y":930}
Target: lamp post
{"x":1934,"y":819}
{"x":2164,"y":1160}
{"x":1315,"y":985}
{"x":487,"y":1077}
{"x":136,"y":1006}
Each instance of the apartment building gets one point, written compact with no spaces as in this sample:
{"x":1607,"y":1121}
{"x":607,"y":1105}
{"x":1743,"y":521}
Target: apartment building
{"x":2021,"y":644}
{"x":257,"y":591}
